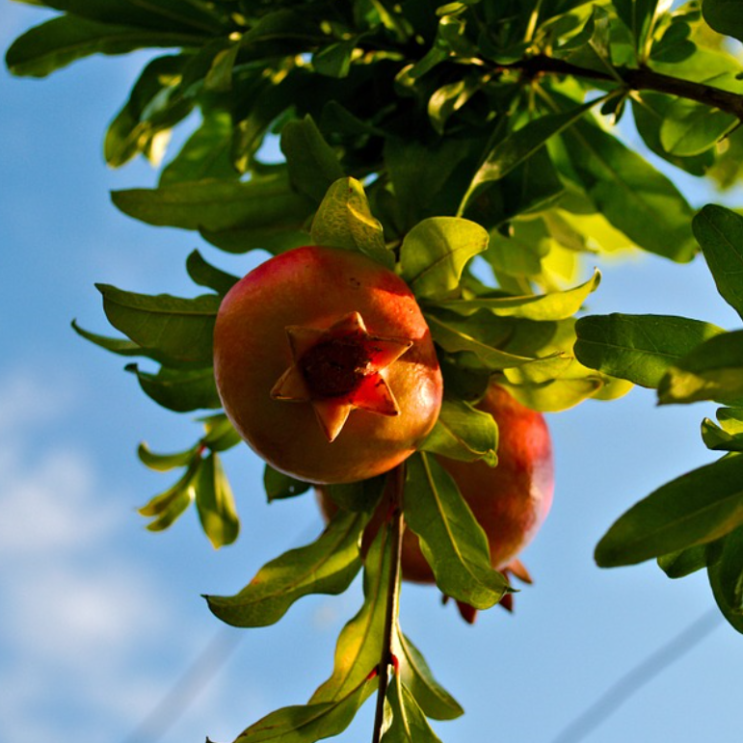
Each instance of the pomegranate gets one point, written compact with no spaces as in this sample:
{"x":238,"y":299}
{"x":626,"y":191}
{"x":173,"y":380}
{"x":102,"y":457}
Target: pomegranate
{"x":509,"y":501}
{"x":325,"y":365}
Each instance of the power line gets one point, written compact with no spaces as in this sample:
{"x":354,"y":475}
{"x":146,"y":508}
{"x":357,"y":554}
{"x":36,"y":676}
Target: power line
{"x":632,"y":681}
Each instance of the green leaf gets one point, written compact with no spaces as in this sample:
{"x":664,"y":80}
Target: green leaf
{"x":65,"y":39}
{"x":735,"y":618}
{"x":684,"y":562}
{"x":215,"y":503}
{"x":167,"y":506}
{"x":120,"y":346}
{"x":558,"y":305}
{"x":220,"y":434}
{"x":591,"y":48}
{"x":464,"y":433}
{"x":449,"y":98}
{"x":451,"y":540}
{"x":730,"y":571}
{"x":635,"y":197}
{"x":406,"y":721}
{"x":718,"y":439}
{"x":204,"y":274}
{"x":724,"y":16}
{"x":525,"y":142}
{"x":344,"y":220}
{"x":720,"y":233}
{"x":637,"y":15}
{"x":177,"y":329}
{"x":165,"y":462}
{"x":216,"y":205}
{"x":334,"y":60}
{"x":326,"y":566}
{"x":359,"y":647}
{"x":312,"y":163}
{"x":311,"y":722}
{"x":447,"y":334}
{"x":357,"y":496}
{"x":640,"y":348}
{"x":432,"y":698}
{"x":219,"y":77}
{"x":696,"y":508}
{"x":691,"y":128}
{"x":712,"y":371}
{"x":205,"y":155}
{"x":435,"y":252}
{"x":279,"y":486}
{"x":191,"y":15}
{"x":180,"y":390}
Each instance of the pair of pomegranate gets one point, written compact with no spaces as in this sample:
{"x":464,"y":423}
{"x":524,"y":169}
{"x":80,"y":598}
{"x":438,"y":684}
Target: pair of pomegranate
{"x":326,"y":367}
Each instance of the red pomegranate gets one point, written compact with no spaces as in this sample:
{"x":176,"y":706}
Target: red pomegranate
{"x":325,"y":365}
{"x":509,"y":501}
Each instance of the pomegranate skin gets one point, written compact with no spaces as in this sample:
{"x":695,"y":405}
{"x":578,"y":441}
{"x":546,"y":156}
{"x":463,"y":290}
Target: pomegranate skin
{"x":510,"y":501}
{"x":316,"y":287}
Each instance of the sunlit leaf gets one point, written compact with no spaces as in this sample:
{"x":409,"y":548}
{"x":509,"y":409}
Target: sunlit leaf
{"x":451,"y":540}
{"x":690,"y":128}
{"x":435,"y":252}
{"x":696,"y":508}
{"x":164,"y":462}
{"x":215,"y":503}
{"x":639,"y":348}
{"x":684,"y":562}
{"x":180,"y":390}
{"x":406,"y":721}
{"x":326,"y":566}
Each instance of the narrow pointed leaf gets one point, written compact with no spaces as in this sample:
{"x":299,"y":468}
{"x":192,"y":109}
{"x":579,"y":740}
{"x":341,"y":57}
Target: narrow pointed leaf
{"x":215,"y":503}
{"x":311,"y":722}
{"x":165,"y":462}
{"x":279,"y":486}
{"x":435,"y":252}
{"x":464,"y":433}
{"x":684,"y":562}
{"x":451,"y":540}
{"x":180,"y":390}
{"x":204,"y":274}
{"x":359,"y":647}
{"x":407,"y":722}
{"x":696,"y":508}
{"x":327,"y":566}
{"x":120,"y":346}
{"x":432,"y":698}
{"x":639,"y":348}
{"x":720,"y":233}
{"x":177,"y":329}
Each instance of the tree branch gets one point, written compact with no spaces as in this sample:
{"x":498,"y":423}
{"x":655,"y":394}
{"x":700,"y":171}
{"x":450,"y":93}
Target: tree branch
{"x":396,"y":484}
{"x":636,"y":79}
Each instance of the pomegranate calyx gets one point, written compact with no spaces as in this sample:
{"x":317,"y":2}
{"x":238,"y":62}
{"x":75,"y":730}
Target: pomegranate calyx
{"x":339,"y":369}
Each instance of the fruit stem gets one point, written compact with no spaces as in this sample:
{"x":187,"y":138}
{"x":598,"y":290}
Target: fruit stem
{"x":394,"y":524}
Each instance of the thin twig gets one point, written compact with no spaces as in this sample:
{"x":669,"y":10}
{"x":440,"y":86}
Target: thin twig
{"x":397,"y":483}
{"x":642,"y":78}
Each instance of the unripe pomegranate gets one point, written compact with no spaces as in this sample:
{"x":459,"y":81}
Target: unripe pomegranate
{"x":509,"y":501}
{"x":325,"y":365}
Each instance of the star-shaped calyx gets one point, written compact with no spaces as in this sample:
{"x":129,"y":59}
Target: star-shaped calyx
{"x":339,"y":369}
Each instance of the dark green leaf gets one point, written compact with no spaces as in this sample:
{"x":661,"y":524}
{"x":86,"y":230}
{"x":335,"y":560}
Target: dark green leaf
{"x":215,"y":205}
{"x":640,"y":348}
{"x":178,"y":329}
{"x":712,"y":371}
{"x":720,"y":233}
{"x":219,"y":77}
{"x":730,"y":575}
{"x":735,"y":618}
{"x":696,"y":508}
{"x":181,"y":390}
{"x":451,"y":540}
{"x":204,"y":274}
{"x":433,"y":699}
{"x":635,"y":197}
{"x":311,"y":722}
{"x":215,"y":503}
{"x":206,"y":153}
{"x":357,"y":496}
{"x":591,"y":48}
{"x":464,"y":433}
{"x":279,"y":486}
{"x":326,"y":566}
{"x":684,"y":562}
{"x":313,"y":166}
{"x":63,"y":40}
{"x":220,"y":434}
{"x":435,"y":252}
{"x":334,"y":60}
{"x":406,"y":721}
{"x":637,"y":15}
{"x":449,"y":98}
{"x":359,"y":647}
{"x":344,"y":220}
{"x":120,"y":346}
{"x":724,"y":16}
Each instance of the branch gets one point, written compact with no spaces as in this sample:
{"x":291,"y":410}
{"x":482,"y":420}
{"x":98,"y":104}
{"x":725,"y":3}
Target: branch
{"x":397,"y":481}
{"x":636,"y":79}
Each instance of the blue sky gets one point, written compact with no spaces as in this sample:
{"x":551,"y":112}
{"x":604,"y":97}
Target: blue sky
{"x":100,"y":618}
